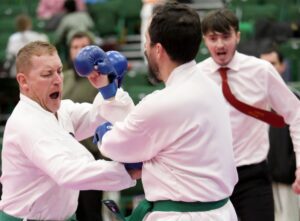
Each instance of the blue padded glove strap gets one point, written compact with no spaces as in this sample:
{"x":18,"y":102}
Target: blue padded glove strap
{"x":133,"y":166}
{"x":109,"y":90}
{"x":100,"y":131}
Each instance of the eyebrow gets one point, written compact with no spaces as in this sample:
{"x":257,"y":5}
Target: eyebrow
{"x":48,"y":68}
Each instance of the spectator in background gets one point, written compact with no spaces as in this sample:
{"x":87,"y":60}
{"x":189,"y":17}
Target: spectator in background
{"x":281,"y":156}
{"x":17,"y":40}
{"x":47,"y":9}
{"x":78,"y":89}
{"x":53,"y":11}
{"x":71,"y":22}
{"x":78,"y":40}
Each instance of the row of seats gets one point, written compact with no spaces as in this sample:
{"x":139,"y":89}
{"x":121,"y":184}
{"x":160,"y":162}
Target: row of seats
{"x":15,"y":7}
{"x":9,"y":96}
{"x":116,"y":17}
{"x":261,"y":2}
{"x":9,"y":9}
{"x":277,"y":12}
{"x":112,"y":18}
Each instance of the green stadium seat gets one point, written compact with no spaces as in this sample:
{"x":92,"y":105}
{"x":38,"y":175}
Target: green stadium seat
{"x":133,"y":78}
{"x":247,"y":30}
{"x":129,"y":17}
{"x":4,"y":36}
{"x":292,"y":12}
{"x":37,"y":24}
{"x":137,"y":93}
{"x":32,"y":7}
{"x":295,"y":85}
{"x":8,"y":24}
{"x":105,"y":17}
{"x":2,"y":56}
{"x":12,"y":10}
{"x":254,"y":12}
{"x":3,"y":43}
{"x":203,"y":53}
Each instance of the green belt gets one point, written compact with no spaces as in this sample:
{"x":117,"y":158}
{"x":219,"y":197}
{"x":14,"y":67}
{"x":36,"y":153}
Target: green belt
{"x":5,"y":217}
{"x":171,"y":206}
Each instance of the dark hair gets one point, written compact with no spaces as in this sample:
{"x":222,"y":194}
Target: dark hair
{"x":82,"y":34}
{"x":70,"y":6}
{"x":221,"y":21}
{"x":23,"y":22}
{"x":275,"y":50}
{"x":177,"y":28}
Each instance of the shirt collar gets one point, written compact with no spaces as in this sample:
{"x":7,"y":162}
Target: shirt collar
{"x":177,"y":74}
{"x":34,"y":104}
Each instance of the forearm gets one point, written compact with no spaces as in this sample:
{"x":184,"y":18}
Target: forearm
{"x":118,"y":108}
{"x":295,"y":135}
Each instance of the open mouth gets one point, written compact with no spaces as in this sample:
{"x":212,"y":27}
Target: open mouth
{"x":54,"y":95}
{"x":221,"y":53}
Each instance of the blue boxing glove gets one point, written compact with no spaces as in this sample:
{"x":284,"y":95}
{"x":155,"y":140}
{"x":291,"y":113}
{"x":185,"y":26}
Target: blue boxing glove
{"x":112,"y":63}
{"x":133,"y":166}
{"x":119,"y":63}
{"x":100,"y":131}
{"x":93,"y":58}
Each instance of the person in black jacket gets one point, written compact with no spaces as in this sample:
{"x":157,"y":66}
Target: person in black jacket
{"x":281,"y":157}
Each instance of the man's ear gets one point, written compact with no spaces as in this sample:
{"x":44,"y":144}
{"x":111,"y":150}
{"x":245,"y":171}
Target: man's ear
{"x":238,"y":35}
{"x":159,"y":50}
{"x":282,"y":68}
{"x":22,"y":80}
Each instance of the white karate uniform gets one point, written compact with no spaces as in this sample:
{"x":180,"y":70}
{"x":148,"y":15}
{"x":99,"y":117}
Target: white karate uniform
{"x":182,"y":134}
{"x":44,"y":166}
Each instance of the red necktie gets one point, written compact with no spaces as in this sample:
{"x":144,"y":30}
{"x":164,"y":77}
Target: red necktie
{"x":263,"y":115}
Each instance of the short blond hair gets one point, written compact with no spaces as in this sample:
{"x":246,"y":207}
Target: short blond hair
{"x":35,"y":48}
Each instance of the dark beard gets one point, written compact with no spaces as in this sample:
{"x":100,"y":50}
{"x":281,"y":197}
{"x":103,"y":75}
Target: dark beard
{"x":152,"y":74}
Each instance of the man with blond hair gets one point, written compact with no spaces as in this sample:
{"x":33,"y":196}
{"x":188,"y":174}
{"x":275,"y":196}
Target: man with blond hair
{"x":43,"y":164}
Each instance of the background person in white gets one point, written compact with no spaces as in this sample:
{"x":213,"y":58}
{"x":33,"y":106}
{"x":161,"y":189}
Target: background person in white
{"x":182,"y":132}
{"x":43,"y":166}
{"x":256,"y":83}
{"x":19,"y":39}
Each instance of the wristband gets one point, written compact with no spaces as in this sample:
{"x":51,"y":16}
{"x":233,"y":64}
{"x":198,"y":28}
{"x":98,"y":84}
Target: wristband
{"x":133,"y":166}
{"x":109,"y":90}
{"x":100,"y":131}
